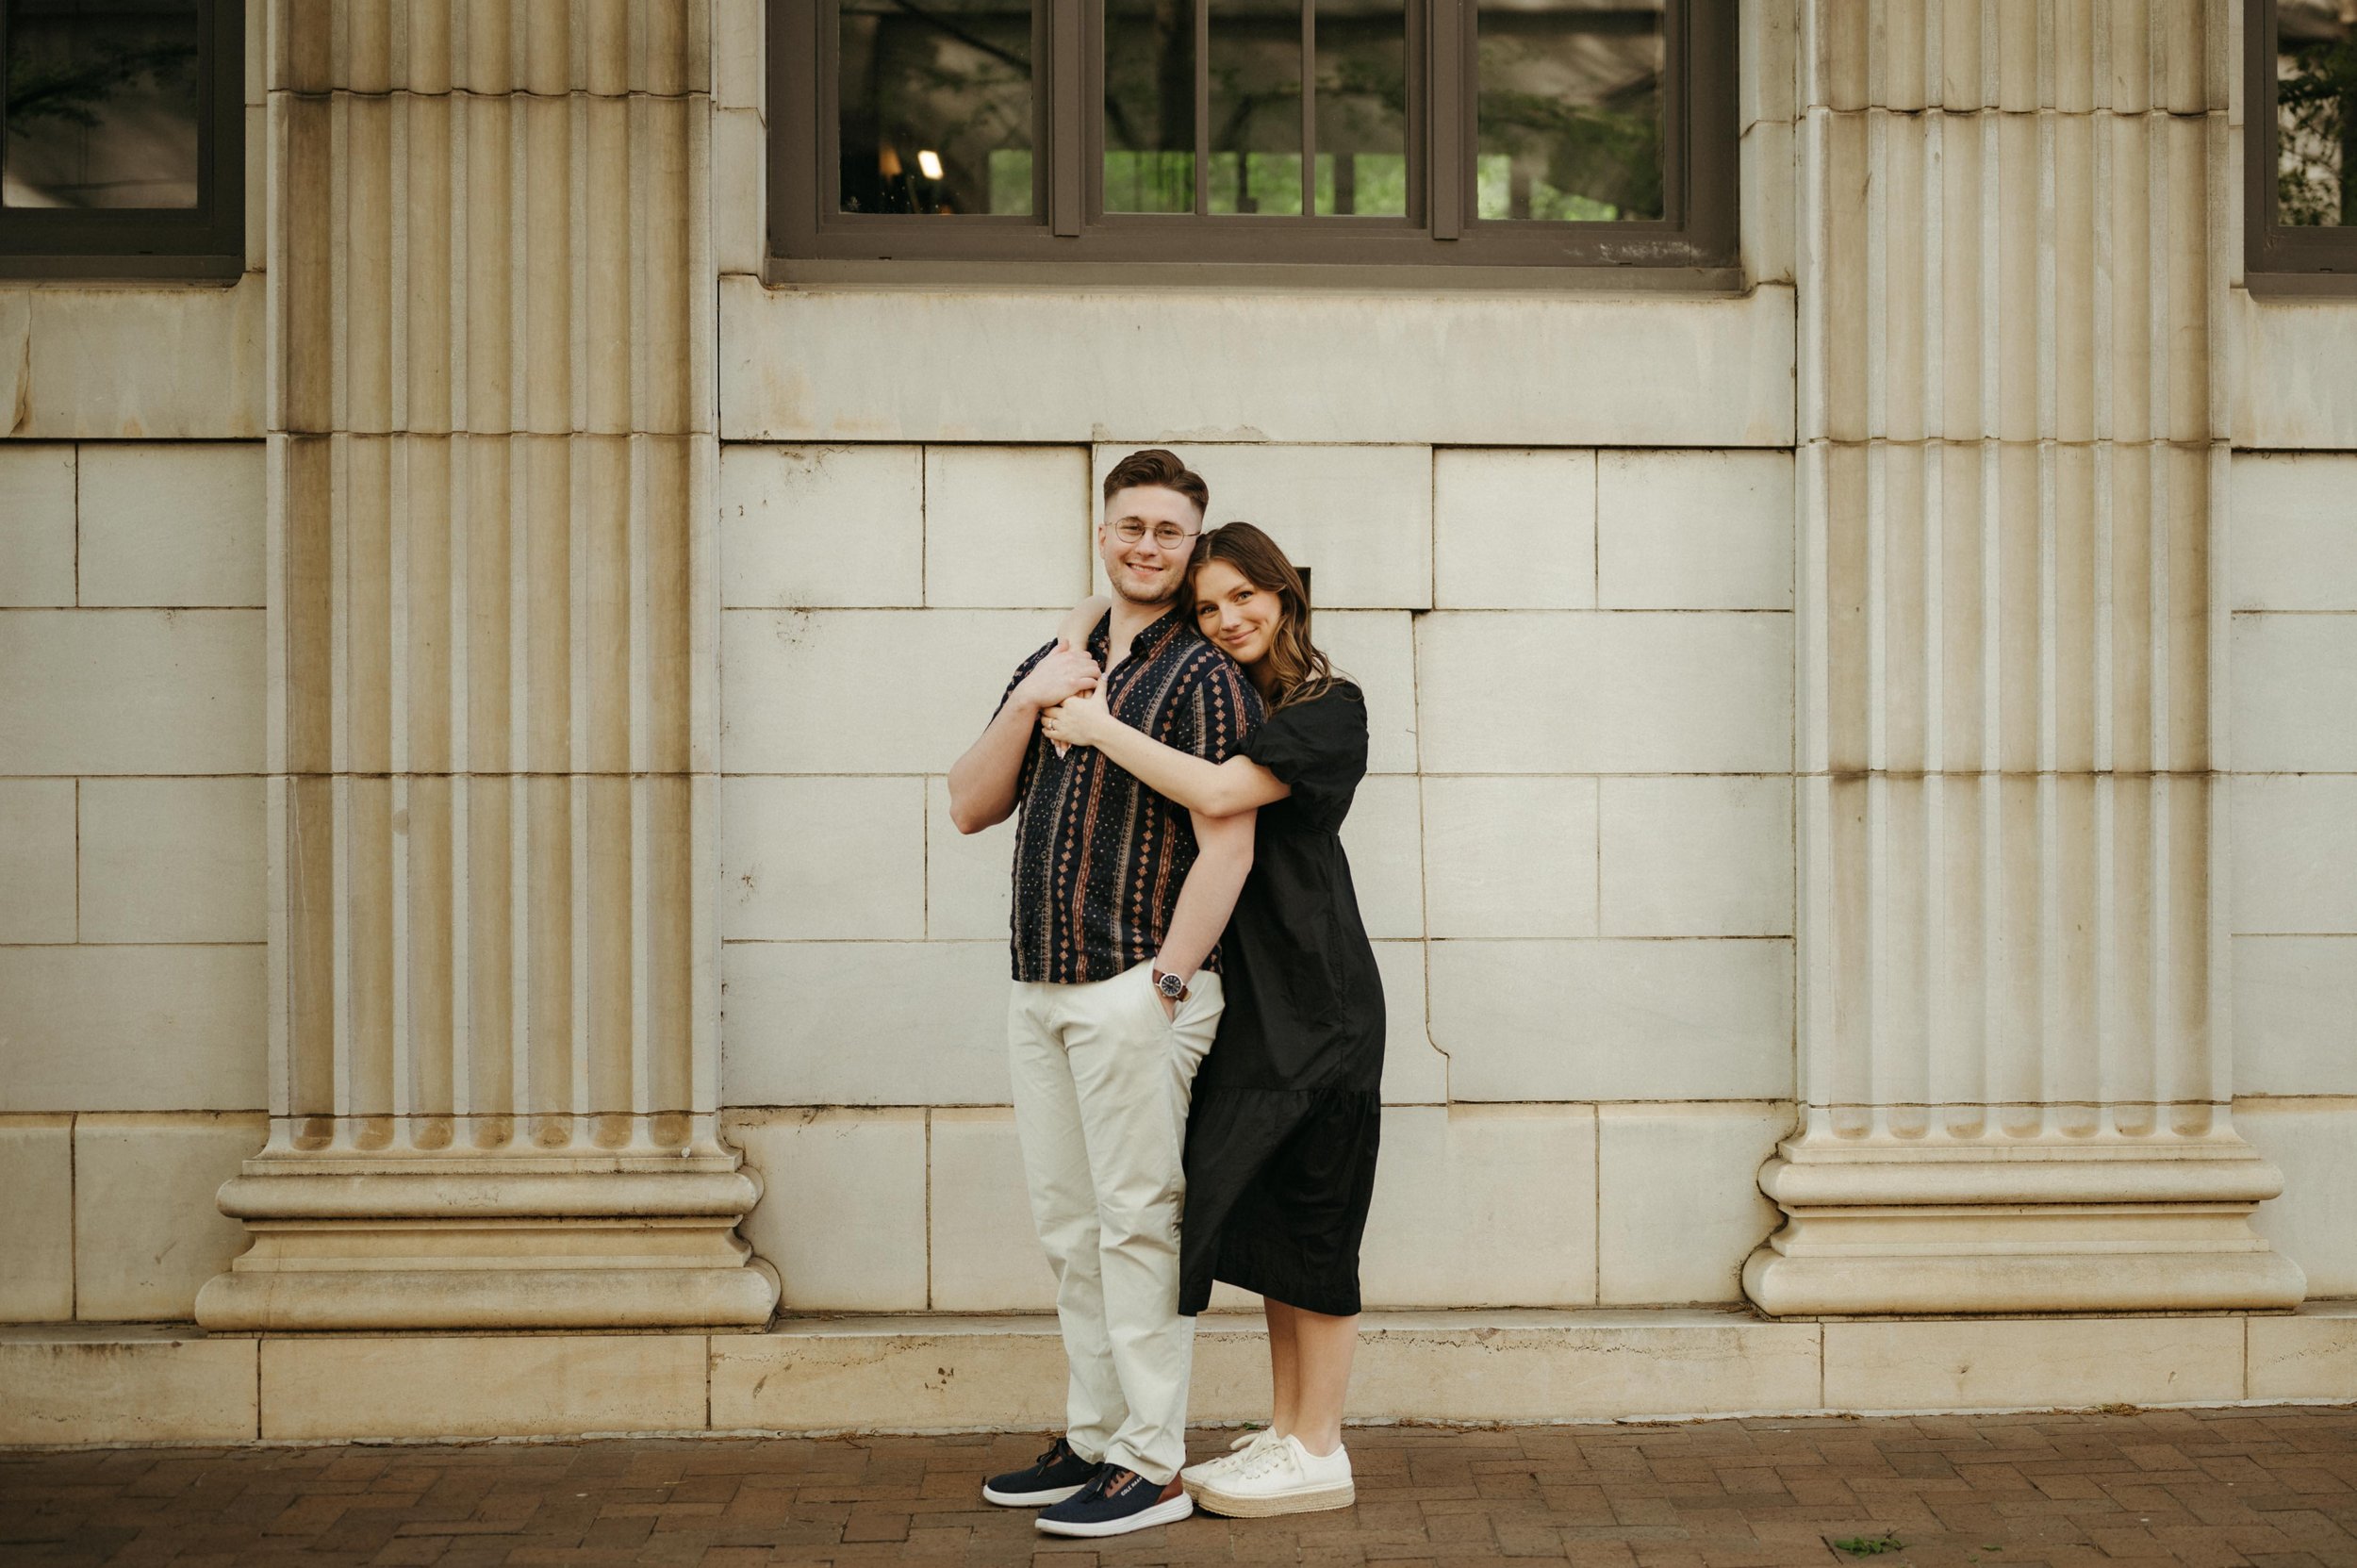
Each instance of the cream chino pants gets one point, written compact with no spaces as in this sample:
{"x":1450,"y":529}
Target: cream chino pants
{"x":1101,"y":1084}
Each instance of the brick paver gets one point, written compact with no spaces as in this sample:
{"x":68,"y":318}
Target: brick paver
{"x":2203,"y":1489}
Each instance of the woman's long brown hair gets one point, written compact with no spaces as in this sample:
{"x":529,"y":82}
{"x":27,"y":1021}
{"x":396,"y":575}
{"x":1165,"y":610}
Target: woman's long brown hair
{"x":1302,"y":670}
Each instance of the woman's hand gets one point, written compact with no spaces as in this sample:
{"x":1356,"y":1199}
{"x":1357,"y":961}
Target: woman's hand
{"x":1081,"y":720}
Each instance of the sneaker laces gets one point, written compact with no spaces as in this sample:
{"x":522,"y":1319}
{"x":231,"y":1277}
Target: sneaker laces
{"x":1225,"y":1464}
{"x":1261,"y":1458}
{"x":1088,"y":1489}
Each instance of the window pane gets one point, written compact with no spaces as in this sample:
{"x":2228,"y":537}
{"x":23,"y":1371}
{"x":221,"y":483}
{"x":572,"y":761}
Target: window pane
{"x":2315,"y":112}
{"x":103,"y":104}
{"x":1363,"y":107}
{"x":1570,"y":116}
{"x":1149,"y":106}
{"x":1256,"y":106}
{"x":936,"y":105}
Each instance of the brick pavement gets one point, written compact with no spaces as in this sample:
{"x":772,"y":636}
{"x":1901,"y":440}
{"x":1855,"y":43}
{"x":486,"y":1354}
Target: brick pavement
{"x":2203,"y":1489}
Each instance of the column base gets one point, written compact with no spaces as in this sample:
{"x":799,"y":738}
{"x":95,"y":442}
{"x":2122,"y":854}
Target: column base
{"x":460,"y":1246}
{"x":2024,"y":1231}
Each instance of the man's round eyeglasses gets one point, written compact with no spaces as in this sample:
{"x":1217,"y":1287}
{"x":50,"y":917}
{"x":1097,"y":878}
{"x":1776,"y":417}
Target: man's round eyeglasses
{"x":1168,"y":535}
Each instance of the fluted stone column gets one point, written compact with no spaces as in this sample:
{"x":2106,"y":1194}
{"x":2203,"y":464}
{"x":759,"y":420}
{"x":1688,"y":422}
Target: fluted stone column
{"x":2013,"y":1004}
{"x":493,"y":1004}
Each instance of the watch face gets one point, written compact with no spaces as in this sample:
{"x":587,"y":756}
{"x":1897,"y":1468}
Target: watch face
{"x":1171,"y":985}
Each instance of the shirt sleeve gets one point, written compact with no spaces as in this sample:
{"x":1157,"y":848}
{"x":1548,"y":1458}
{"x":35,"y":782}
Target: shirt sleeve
{"x":1220,"y":711}
{"x":1318,"y":747}
{"x":1031,"y":753}
{"x":1020,"y":670}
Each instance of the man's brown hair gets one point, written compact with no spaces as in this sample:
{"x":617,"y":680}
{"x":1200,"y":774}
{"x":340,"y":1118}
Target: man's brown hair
{"x":1164,"y":470}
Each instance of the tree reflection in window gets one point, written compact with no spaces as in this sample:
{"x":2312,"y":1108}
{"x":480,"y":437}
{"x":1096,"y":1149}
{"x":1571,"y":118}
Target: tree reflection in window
{"x":1361,"y":108}
{"x":103,"y":101}
{"x":1570,"y":113}
{"x":2315,"y":112}
{"x":1149,"y":106}
{"x":1358,"y":109}
{"x":936,"y":105}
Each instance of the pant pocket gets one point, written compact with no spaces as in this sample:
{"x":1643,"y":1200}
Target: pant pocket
{"x":1166,"y":1018}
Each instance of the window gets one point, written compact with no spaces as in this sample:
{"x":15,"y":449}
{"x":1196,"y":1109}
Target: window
{"x":121,"y":138}
{"x":2300,"y":93}
{"x":1488,"y":132}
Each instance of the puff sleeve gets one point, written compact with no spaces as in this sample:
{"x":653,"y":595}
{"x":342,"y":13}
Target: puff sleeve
{"x":1319,"y":747}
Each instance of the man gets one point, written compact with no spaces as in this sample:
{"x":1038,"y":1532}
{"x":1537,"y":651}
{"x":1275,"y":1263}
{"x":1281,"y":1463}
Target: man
{"x":1119,"y":899}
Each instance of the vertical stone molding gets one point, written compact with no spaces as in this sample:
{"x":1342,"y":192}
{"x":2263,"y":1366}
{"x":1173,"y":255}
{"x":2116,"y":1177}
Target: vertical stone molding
{"x":2016,"y":219}
{"x":491,"y":609}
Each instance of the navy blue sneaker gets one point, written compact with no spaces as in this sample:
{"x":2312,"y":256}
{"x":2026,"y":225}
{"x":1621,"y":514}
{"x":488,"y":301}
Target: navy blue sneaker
{"x":1116,"y":1502}
{"x":1049,"y":1478}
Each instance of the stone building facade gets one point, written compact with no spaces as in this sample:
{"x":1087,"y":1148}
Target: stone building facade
{"x":1858,"y":834}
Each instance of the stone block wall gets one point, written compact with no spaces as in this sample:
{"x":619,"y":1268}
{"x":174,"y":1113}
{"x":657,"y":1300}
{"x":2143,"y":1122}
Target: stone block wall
{"x":1515,"y":503}
{"x":133,"y":1040}
{"x":2292,"y":572}
{"x":132,"y":900}
{"x":1573,"y":849}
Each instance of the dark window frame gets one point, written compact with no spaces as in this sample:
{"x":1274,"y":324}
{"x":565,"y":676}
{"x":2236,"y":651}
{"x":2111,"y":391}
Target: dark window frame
{"x":1697,"y":236}
{"x":2283,"y":258}
{"x":203,"y":241}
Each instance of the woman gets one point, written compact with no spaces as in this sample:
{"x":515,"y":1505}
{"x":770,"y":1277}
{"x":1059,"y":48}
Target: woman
{"x":1281,"y":1136}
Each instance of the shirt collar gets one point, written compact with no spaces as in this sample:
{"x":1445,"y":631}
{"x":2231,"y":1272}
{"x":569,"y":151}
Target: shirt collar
{"x":1152,"y":636}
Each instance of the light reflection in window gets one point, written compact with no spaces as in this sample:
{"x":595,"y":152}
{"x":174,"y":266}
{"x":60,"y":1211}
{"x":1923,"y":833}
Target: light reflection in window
{"x":936,"y":105}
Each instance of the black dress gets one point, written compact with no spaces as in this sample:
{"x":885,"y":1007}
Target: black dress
{"x":1288,"y":1106}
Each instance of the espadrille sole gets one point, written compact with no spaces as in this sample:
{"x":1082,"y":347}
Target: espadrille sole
{"x":1313,"y":1500}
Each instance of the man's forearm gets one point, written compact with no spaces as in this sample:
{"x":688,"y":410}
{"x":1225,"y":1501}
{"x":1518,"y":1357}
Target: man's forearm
{"x":982,"y":783}
{"x":1223,"y":859}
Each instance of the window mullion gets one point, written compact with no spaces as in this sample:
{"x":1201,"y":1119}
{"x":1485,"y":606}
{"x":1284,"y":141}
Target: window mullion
{"x":1202,"y":108}
{"x":1676,"y":76}
{"x":1067,"y":133}
{"x":1309,"y":108}
{"x":3,"y":84}
{"x":1415,"y":139}
{"x":1449,"y":117}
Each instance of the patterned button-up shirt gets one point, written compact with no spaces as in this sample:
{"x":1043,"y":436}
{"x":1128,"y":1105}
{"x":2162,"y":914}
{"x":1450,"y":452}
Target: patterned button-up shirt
{"x":1098,"y":857}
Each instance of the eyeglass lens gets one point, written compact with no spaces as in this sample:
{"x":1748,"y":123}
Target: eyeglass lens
{"x":1166,"y":534}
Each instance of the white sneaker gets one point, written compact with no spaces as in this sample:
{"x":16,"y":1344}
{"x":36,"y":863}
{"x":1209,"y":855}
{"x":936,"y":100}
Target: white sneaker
{"x":1275,"y":1478}
{"x":1193,"y":1475}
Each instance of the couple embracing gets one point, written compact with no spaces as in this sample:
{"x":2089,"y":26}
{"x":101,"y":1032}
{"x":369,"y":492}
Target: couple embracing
{"x":1195,"y":1036}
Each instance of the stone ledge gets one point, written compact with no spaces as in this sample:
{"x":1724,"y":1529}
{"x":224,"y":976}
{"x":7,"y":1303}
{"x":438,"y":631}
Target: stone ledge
{"x":942,"y":1374}
{"x":62,"y":1384}
{"x":2310,"y":1354}
{"x":116,"y":1382}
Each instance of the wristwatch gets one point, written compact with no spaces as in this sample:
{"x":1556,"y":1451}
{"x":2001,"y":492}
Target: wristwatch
{"x":1171,"y":986}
